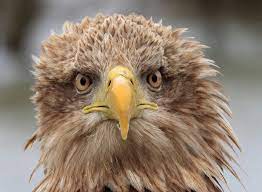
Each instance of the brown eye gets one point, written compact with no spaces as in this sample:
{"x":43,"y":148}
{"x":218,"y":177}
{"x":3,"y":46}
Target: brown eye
{"x":82,"y":83}
{"x":155,"y":80}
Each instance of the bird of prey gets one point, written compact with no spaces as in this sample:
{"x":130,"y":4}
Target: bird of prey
{"x":127,"y":104}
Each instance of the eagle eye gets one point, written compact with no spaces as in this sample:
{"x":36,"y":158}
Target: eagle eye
{"x":154,"y":80}
{"x":83,"y":83}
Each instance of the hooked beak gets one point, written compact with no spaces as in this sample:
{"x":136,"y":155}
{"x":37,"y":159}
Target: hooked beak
{"x":121,"y":100}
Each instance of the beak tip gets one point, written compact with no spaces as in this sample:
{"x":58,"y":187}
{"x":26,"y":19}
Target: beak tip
{"x":124,"y":136}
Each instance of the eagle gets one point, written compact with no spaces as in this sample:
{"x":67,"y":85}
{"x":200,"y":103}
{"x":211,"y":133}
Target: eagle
{"x":127,"y":104}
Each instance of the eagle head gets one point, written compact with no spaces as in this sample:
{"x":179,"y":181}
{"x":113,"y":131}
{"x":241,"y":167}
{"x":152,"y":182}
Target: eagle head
{"x":127,"y":104}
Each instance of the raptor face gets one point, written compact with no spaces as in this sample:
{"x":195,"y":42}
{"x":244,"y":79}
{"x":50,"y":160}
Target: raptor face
{"x":128,"y":104}
{"x":121,"y":98}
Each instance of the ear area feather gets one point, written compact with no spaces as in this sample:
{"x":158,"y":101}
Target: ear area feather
{"x":178,"y":32}
{"x":30,"y":141}
{"x":35,"y":59}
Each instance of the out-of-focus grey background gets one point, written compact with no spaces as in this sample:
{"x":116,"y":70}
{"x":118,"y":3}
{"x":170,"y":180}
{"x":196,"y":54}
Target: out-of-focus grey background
{"x":232,"y":28}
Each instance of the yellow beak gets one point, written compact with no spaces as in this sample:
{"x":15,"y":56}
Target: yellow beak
{"x":121,"y":101}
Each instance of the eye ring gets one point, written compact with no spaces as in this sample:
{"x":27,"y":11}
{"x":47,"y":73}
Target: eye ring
{"x":83,"y":84}
{"x":154,"y":80}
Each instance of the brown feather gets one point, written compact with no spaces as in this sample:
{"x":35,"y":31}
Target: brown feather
{"x":180,"y":147}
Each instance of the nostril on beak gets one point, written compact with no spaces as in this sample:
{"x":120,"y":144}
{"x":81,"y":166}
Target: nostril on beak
{"x":109,"y":83}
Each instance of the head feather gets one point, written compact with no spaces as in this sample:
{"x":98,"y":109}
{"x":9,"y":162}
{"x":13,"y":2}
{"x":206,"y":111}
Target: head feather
{"x":180,"y":147}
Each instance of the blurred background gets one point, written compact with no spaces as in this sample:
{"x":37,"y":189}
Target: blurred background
{"x":232,"y":28}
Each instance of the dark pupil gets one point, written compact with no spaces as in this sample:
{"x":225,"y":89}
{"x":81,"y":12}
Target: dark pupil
{"x":83,"y":81}
{"x":154,"y":78}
